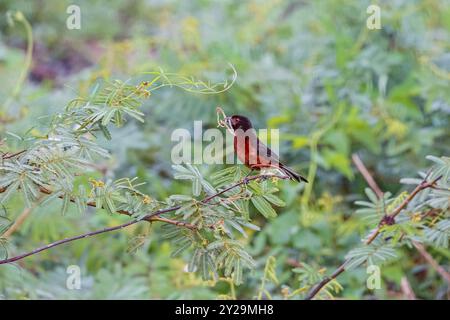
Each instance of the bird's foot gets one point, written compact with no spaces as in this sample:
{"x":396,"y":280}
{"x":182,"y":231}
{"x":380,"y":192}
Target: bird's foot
{"x":387,"y":220}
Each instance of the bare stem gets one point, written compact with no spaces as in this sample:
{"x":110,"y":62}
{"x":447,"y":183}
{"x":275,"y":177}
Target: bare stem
{"x":406,"y":289}
{"x":423,"y":252}
{"x":359,"y":164}
{"x":154,"y":216}
{"x":315,"y":290}
{"x":422,"y":186}
{"x":59,"y":242}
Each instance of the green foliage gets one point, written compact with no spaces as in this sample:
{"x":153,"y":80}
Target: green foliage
{"x":309,"y":276}
{"x":375,"y":253}
{"x":312,"y":70}
{"x":55,"y":161}
{"x":439,"y":235}
{"x":374,"y":210}
{"x":20,"y":178}
{"x":268,"y":276}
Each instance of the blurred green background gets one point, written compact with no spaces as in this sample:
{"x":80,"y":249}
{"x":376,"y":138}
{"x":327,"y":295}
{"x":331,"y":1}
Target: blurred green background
{"x":310,"y":68}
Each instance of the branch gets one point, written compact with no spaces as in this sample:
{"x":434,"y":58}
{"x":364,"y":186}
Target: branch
{"x":389,"y":217}
{"x":315,"y":290}
{"x":423,"y":252}
{"x":366,"y":174}
{"x":406,"y":289}
{"x":154,"y":216}
{"x":59,"y":242}
{"x":420,"y":187}
{"x":7,"y":155}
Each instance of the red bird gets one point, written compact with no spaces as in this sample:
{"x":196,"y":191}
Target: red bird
{"x":252,"y":152}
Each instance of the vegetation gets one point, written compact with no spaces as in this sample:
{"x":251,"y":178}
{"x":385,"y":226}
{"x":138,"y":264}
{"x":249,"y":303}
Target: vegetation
{"x":86,"y":177}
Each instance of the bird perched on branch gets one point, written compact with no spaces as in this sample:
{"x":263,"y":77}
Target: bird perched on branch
{"x":252,"y":152}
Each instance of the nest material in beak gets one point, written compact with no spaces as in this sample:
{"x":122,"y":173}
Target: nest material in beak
{"x":228,"y":125}
{"x":225,"y":122}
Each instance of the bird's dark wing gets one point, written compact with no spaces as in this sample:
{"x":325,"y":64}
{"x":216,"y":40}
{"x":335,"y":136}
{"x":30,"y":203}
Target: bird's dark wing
{"x":265,"y":151}
{"x":251,"y":151}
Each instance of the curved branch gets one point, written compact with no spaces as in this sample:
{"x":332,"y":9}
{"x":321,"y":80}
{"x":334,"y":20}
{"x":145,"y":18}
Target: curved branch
{"x":154,"y":216}
{"x":366,"y":175}
{"x":59,"y":242}
{"x":439,"y":269}
{"x":315,"y":290}
{"x":422,"y":186}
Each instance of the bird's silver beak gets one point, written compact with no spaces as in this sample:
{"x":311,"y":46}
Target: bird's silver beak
{"x":228,"y":122}
{"x":229,"y":125}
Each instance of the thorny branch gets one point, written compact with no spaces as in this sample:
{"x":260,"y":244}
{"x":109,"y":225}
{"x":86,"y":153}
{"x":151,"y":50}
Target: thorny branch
{"x":422,"y":186}
{"x":154,"y":216}
{"x":425,"y":184}
{"x":59,"y":242}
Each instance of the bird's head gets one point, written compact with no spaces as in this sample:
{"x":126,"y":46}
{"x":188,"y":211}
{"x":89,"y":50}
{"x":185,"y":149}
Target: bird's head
{"x":239,"y":122}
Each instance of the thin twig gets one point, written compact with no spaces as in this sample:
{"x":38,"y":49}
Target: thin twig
{"x":154,"y":216}
{"x":423,"y":252}
{"x":439,"y":269}
{"x":422,"y":186}
{"x":406,"y":289}
{"x":6,"y":156}
{"x":59,"y":242}
{"x":366,"y":175}
{"x":315,"y":290}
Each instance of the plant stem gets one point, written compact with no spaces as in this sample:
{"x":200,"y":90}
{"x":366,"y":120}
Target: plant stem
{"x":154,"y":216}
{"x":315,"y":290}
{"x":439,"y":269}
{"x":422,"y":186}
{"x":59,"y":242}
{"x":367,"y":176}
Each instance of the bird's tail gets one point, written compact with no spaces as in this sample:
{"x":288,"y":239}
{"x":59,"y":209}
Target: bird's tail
{"x":291,"y":174}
